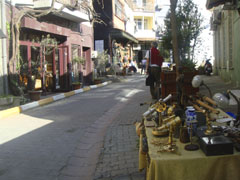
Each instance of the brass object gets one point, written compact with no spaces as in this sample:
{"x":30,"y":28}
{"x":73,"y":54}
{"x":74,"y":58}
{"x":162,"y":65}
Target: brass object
{"x":159,"y":106}
{"x":157,"y":132}
{"x":184,"y":137}
{"x":209,"y":129}
{"x":170,"y":110}
{"x":209,"y":100}
{"x":198,"y":108}
{"x":207,"y":106}
{"x":191,"y":146}
{"x":170,"y":147}
{"x":162,"y":132}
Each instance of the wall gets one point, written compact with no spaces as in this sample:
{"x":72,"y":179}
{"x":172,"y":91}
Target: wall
{"x":226,"y":47}
{"x":236,"y":50}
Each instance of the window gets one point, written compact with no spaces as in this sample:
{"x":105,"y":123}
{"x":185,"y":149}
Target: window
{"x":145,"y":24}
{"x":118,"y":9}
{"x":138,"y":23}
{"x":144,"y":2}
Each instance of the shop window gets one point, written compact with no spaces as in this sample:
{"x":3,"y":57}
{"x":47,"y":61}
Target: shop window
{"x":23,"y":55}
{"x":75,"y":64}
{"x":35,"y":60}
{"x":23,"y":64}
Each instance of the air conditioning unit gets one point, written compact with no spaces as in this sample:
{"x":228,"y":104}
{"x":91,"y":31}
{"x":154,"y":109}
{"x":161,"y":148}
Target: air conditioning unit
{"x":39,"y":4}
{"x":21,"y":3}
{"x":94,"y":54}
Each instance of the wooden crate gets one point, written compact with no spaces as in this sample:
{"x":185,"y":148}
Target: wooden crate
{"x":168,"y":83}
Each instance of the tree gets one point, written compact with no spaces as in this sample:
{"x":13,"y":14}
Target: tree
{"x":188,"y":29}
{"x":174,"y":32}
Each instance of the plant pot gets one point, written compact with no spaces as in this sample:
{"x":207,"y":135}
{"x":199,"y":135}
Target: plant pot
{"x":97,"y":81}
{"x":35,"y":95}
{"x":76,"y":86}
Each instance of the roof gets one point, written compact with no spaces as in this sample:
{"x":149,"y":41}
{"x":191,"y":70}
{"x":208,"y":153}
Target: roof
{"x":213,"y":3}
{"x":122,"y":35}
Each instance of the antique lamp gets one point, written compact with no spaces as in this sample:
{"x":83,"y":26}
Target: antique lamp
{"x":223,"y":100}
{"x":197,"y":81}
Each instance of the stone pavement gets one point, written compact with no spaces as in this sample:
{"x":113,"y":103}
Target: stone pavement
{"x":119,"y":155}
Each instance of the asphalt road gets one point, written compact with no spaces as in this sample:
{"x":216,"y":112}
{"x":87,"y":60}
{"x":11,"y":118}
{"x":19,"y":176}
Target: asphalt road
{"x":65,"y":140}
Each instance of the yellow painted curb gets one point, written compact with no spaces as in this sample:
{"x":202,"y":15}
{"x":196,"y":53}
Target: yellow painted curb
{"x":45,"y":101}
{"x":10,"y":112}
{"x":86,"y":89}
{"x":71,"y":93}
{"x":99,"y":85}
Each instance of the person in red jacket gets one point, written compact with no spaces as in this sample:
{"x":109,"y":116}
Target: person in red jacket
{"x":153,"y":66}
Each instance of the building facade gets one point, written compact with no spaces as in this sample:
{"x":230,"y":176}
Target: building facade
{"x":144,"y":18}
{"x":70,"y":26}
{"x":225,"y":24}
{"x":115,"y":34}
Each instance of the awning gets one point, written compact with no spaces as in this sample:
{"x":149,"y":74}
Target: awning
{"x":122,"y":36}
{"x":213,"y":3}
{"x":2,"y":35}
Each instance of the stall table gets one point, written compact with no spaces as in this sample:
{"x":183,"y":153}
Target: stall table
{"x":186,"y":165}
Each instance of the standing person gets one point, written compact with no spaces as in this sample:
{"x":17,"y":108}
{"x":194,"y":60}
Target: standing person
{"x":153,"y":66}
{"x":144,"y":61}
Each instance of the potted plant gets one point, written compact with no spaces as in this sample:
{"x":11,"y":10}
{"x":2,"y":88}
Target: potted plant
{"x":33,"y":75}
{"x":76,"y":85}
{"x":76,"y":61}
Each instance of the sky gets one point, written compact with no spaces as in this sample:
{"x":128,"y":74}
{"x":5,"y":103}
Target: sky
{"x":203,"y":52}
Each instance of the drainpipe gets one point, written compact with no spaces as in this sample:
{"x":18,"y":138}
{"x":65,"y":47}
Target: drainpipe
{"x":4,"y":48}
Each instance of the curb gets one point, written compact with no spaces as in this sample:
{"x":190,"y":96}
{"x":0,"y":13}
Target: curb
{"x":22,"y":108}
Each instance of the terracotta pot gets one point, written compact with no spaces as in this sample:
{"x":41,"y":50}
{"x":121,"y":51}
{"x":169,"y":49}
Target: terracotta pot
{"x":35,"y":95}
{"x":76,"y":86}
{"x":97,"y":81}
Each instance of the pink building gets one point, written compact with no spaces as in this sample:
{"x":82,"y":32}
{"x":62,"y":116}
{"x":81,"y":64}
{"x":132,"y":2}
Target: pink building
{"x":71,"y":28}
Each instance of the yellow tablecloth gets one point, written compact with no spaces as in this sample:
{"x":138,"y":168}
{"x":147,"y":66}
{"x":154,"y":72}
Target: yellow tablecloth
{"x":187,"y":165}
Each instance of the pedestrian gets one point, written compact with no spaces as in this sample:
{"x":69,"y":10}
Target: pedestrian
{"x":132,"y":67}
{"x":144,"y":61}
{"x":153,"y":66}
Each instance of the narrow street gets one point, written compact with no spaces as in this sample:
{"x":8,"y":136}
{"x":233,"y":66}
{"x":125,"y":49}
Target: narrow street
{"x":87,"y":136}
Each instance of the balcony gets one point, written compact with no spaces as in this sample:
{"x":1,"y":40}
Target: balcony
{"x":72,"y":10}
{"x":143,"y":7}
{"x":145,"y":35}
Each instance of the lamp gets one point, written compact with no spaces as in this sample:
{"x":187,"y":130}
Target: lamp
{"x":223,"y":100}
{"x":197,"y":81}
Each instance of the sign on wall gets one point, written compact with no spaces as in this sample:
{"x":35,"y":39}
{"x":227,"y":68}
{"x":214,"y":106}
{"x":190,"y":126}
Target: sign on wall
{"x":99,"y":46}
